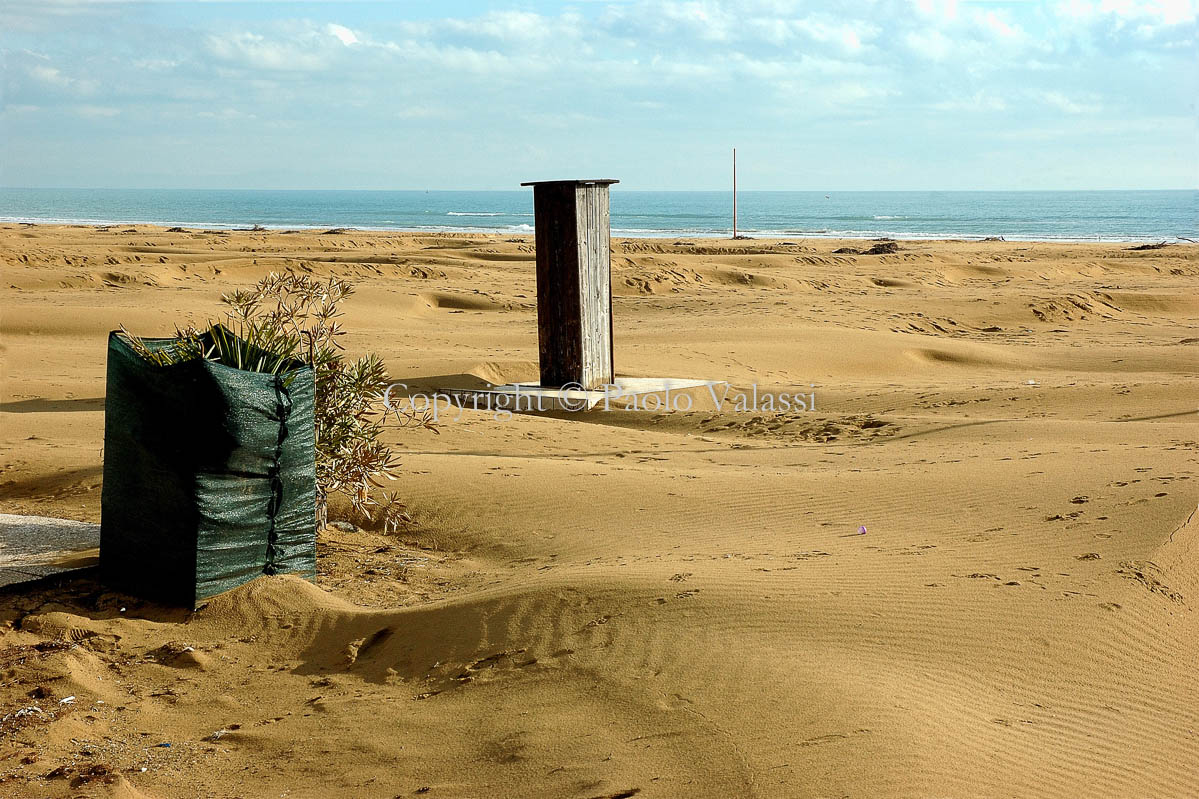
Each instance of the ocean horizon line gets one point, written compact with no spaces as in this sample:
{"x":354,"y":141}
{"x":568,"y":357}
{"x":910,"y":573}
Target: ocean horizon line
{"x":1143,"y":215}
{"x":615,"y":188}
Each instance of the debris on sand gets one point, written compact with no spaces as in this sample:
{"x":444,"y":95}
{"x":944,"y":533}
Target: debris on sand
{"x":885,"y":247}
{"x":1158,"y":246}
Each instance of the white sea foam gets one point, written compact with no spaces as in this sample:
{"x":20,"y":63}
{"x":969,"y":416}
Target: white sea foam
{"x":707,"y":233}
{"x":497,"y":222}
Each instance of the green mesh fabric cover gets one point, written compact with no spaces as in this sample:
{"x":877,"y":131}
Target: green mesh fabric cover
{"x":209,"y":476}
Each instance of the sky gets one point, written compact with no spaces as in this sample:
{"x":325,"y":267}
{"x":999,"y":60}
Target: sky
{"x":869,"y":95}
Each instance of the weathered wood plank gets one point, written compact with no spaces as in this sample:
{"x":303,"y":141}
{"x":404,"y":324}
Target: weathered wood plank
{"x":595,"y":288}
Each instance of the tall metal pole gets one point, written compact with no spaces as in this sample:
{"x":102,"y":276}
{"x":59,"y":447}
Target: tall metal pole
{"x":734,"y":192}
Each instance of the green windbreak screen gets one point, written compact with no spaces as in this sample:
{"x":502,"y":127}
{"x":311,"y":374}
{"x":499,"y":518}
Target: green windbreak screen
{"x":209,"y":475}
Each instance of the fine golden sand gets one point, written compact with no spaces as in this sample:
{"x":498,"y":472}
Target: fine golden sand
{"x":645,"y":604}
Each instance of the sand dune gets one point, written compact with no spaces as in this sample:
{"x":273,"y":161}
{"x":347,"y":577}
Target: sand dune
{"x":650,"y":604}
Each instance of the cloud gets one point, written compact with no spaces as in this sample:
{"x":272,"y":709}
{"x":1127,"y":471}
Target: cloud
{"x":931,"y":44}
{"x":38,"y":77}
{"x":512,"y":28}
{"x":50,"y":76}
{"x":613,"y":74}
{"x":39,"y":16}
{"x":978,"y":102}
{"x":1166,"y":12}
{"x":342,"y":34}
{"x":942,"y":9}
{"x":226,"y":114}
{"x":846,"y":36}
{"x":156,"y":64}
{"x":999,"y":25}
{"x":304,"y":48}
{"x":1061,"y":102}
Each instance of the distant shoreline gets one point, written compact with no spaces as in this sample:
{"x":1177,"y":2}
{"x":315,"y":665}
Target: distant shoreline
{"x":1142,"y":216}
{"x":749,"y":235}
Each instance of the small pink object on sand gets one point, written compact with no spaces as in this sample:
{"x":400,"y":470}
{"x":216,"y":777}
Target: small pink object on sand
{"x":862,"y":530}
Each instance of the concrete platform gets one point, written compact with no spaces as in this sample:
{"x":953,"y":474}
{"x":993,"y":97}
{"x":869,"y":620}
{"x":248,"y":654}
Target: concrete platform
{"x":32,"y":547}
{"x":646,"y":393}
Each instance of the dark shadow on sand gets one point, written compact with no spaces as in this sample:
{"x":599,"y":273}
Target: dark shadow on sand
{"x":53,"y":406}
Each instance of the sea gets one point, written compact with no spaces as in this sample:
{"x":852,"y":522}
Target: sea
{"x":1014,"y":215}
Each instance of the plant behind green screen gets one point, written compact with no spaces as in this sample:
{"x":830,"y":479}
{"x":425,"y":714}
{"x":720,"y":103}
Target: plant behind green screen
{"x":287,"y":317}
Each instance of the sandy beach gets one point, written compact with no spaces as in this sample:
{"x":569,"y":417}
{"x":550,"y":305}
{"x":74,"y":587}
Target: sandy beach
{"x":650,"y":604}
